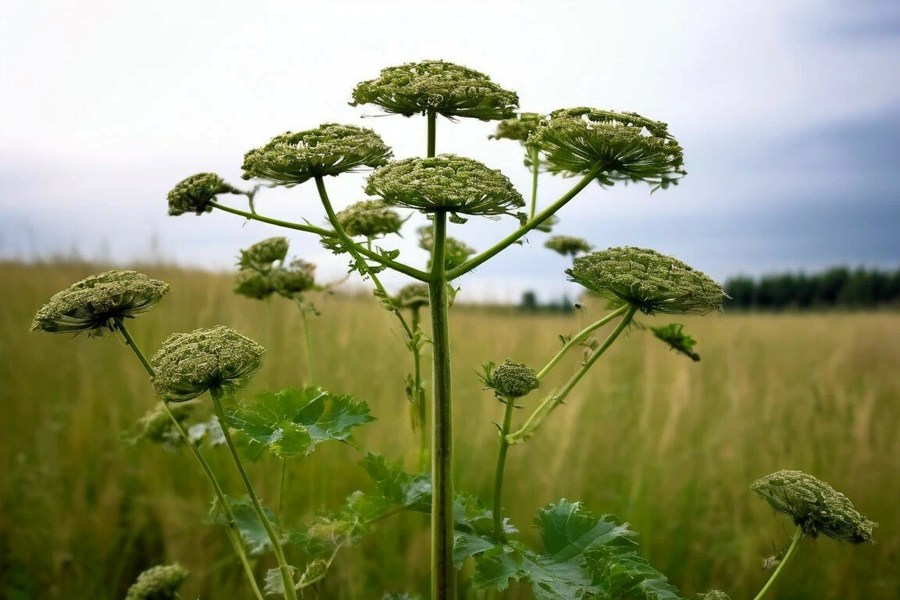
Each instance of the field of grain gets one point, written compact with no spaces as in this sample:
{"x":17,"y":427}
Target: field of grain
{"x":665,"y":443}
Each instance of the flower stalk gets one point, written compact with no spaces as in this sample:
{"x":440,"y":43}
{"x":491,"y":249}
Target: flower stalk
{"x":501,"y":464}
{"x":795,"y":541}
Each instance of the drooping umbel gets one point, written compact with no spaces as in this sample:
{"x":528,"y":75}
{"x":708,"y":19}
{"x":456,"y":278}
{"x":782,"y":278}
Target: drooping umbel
{"x":94,"y":304}
{"x":330,"y":149}
{"x":648,"y":280}
{"x":264,"y":272}
{"x":445,"y":182}
{"x":194,"y":194}
{"x":262,"y":254}
{"x":567,"y":245}
{"x":814,"y":506}
{"x":217,"y":359}
{"x":446,"y":88}
{"x":617,"y":146}
{"x":369,"y":218}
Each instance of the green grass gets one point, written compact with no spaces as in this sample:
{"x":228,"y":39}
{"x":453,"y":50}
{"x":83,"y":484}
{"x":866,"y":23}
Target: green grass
{"x":667,"y":444}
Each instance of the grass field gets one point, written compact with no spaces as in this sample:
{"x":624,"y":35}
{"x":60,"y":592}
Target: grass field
{"x":667,"y":444}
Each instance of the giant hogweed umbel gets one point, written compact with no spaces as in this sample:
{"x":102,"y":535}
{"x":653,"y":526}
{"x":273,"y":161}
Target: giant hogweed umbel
{"x":583,"y":556}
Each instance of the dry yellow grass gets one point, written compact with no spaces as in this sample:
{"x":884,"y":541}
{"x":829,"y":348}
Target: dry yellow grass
{"x":670,"y":445}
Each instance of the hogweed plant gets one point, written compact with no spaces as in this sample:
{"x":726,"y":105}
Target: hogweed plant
{"x":582,"y":556}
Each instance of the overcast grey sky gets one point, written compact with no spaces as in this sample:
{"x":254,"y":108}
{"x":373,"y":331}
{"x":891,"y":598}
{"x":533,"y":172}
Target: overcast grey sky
{"x":789,"y":113}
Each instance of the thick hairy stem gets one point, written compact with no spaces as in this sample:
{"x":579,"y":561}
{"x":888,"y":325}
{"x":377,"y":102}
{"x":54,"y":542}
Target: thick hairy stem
{"x":516,"y":235}
{"x":286,"y":576}
{"x":432,"y":131}
{"x":501,"y":464}
{"x":234,"y":534}
{"x":795,"y":541}
{"x":558,"y":397}
{"x":580,"y":337}
{"x":419,"y":392}
{"x":443,"y":576}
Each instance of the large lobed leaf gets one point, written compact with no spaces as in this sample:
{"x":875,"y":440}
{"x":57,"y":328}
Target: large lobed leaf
{"x":293,"y":421}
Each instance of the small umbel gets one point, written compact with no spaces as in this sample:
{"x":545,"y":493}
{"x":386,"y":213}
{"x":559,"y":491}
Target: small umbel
{"x":158,"y":583}
{"x":369,"y":218}
{"x":194,"y":194}
{"x":513,"y":379}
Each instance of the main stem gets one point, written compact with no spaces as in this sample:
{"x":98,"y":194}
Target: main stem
{"x":419,"y":392}
{"x":443,"y":577}
{"x":234,"y":535}
{"x":286,"y":576}
{"x":795,"y":541}
{"x":501,"y":464}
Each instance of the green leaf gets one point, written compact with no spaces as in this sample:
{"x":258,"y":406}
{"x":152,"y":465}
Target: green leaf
{"x":252,"y":530}
{"x":274,"y":583}
{"x":292,"y":422}
{"x":394,"y":487}
{"x":628,"y":576}
{"x":673,"y":334}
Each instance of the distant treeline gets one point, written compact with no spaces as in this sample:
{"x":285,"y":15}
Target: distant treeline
{"x":838,"y":287}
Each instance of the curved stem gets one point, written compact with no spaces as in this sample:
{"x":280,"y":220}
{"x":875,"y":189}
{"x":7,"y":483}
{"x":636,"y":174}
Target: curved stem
{"x":443,"y":576}
{"x":580,"y":337}
{"x":516,"y":235}
{"x":286,"y":576}
{"x":253,"y":216}
{"x":501,"y":464}
{"x":558,"y":397}
{"x":231,"y":529}
{"x":798,"y":535}
{"x":535,"y":156}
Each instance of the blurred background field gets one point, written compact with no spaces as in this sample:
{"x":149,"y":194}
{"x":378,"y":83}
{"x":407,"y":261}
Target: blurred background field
{"x":667,"y":444}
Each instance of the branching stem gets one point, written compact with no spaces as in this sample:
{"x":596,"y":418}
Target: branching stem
{"x":234,"y":535}
{"x":580,"y":337}
{"x":795,"y":541}
{"x":286,"y":576}
{"x":557,"y":397}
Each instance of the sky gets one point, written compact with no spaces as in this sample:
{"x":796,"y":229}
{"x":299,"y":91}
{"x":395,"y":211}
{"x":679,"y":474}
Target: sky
{"x":789,"y":114}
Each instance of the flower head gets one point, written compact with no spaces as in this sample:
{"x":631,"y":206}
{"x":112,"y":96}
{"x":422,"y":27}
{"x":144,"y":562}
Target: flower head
{"x":616,"y":146}
{"x":512,"y":379}
{"x":261,"y":255}
{"x":653,"y":282}
{"x":195,"y":193}
{"x":815,"y":506}
{"x":158,"y":583}
{"x":445,"y":183}
{"x":293,"y":280}
{"x":414,"y":296}
{"x":97,"y":302}
{"x":253,"y":284}
{"x":567,"y":245}
{"x":446,"y":88}
{"x":330,"y":149}
{"x":189,"y":364}
{"x":518,"y":128}
{"x":369,"y":218}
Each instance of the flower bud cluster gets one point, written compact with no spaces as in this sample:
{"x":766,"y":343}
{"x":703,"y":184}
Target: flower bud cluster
{"x":448,"y":89}
{"x":95,"y":303}
{"x":617,"y":146}
{"x":189,"y":364}
{"x":195,"y":193}
{"x":512,"y":379}
{"x":648,"y":280}
{"x":330,"y":149}
{"x":158,"y":583}
{"x":814,"y":506}
{"x":567,"y":245}
{"x":445,"y":183}
{"x":369,"y":218}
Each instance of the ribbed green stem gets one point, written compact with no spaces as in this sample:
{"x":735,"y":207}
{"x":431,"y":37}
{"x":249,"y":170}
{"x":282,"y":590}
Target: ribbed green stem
{"x":516,"y":235}
{"x":310,"y":374}
{"x":535,"y":156}
{"x":432,"y":131}
{"x":501,"y":464}
{"x":795,"y":541}
{"x":558,"y":397}
{"x":580,"y":337}
{"x":443,"y":576}
{"x":286,"y":576}
{"x":419,"y":392}
{"x":234,"y":535}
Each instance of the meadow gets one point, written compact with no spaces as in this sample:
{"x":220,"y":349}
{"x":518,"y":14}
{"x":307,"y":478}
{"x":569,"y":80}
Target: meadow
{"x":670,"y":445}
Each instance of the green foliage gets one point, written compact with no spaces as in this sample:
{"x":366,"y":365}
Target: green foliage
{"x":673,"y":335}
{"x":293,"y":422}
{"x":246,"y":519}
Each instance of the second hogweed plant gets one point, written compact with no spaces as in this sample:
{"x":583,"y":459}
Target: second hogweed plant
{"x":581,"y":555}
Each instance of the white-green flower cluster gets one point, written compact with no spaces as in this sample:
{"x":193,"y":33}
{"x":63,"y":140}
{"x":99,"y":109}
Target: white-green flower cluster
{"x":194,"y":194}
{"x":448,"y":89}
{"x":814,"y":506}
{"x":217,"y":359}
{"x":369,"y":218}
{"x":447,"y":183}
{"x":617,"y":146}
{"x":330,"y":149}
{"x":648,"y":280}
{"x":567,"y":245}
{"x":95,"y":303}
{"x":264,"y":272}
{"x":158,"y":583}
{"x":518,"y":128}
{"x":261,"y":255}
